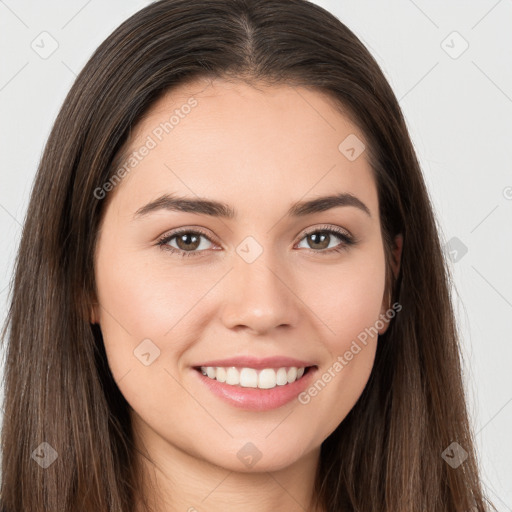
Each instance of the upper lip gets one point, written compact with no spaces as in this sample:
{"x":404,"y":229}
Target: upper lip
{"x":257,"y":363}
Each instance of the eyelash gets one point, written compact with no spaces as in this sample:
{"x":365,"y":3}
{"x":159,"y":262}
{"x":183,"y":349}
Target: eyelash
{"x":347,"y":240}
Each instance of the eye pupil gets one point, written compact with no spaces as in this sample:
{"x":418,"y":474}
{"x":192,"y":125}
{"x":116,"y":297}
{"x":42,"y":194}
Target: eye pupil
{"x":323,"y":236}
{"x":183,"y":241}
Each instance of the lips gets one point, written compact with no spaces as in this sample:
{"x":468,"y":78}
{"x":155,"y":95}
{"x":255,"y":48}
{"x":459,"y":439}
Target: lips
{"x":257,"y":363}
{"x":256,"y":384}
{"x":256,"y":399}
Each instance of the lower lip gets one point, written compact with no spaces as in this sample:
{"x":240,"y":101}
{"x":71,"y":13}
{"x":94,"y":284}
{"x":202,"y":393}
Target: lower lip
{"x":255,"y":399}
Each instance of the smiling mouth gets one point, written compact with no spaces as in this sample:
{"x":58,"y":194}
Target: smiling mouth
{"x":266,"y":378}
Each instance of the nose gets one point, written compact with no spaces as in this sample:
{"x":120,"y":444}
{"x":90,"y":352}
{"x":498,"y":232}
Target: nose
{"x":260,"y":296}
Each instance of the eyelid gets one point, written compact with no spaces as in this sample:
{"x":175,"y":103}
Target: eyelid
{"x":325,"y":227}
{"x":187,"y":229}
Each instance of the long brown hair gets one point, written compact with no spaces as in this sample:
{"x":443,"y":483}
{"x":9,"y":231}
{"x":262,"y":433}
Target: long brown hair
{"x":386,"y":454}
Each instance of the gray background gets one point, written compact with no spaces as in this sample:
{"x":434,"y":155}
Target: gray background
{"x":458,"y":107}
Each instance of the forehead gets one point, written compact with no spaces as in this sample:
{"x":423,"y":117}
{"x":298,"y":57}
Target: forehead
{"x":231,"y":140}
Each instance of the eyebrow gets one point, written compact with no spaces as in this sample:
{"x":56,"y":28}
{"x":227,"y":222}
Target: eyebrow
{"x":223,"y":210}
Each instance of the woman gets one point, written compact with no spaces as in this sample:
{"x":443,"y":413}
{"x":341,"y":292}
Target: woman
{"x":230,"y":290}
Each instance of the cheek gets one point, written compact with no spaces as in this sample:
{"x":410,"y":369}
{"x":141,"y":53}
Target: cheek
{"x":144,"y":311}
{"x":147,"y":298}
{"x":348,"y":303}
{"x":347,"y":298}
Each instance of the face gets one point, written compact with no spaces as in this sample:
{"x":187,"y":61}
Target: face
{"x":257,"y":287}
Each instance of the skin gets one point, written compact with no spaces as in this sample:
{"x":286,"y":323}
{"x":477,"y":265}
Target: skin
{"x":258,"y":150}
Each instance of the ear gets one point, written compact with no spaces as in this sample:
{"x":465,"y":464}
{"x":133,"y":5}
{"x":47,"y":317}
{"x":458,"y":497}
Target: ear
{"x":396,"y":253}
{"x":94,"y":317}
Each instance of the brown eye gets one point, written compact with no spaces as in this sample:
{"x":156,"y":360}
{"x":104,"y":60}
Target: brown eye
{"x":188,"y":241}
{"x":320,"y":240}
{"x":185,"y":242}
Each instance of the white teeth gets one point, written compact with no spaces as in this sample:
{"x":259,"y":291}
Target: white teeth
{"x":281,"y":377}
{"x":232,"y":376}
{"x":248,"y":378}
{"x":292,"y":374}
{"x":267,"y":378}
{"x":221,"y":375}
